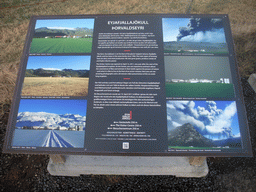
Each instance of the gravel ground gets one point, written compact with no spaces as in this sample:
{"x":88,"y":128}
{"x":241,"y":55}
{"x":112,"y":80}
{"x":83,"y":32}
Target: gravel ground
{"x":29,"y":172}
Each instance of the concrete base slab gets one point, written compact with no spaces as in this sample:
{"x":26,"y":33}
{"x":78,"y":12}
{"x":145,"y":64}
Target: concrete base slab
{"x":76,"y":165}
{"x":252,"y":81}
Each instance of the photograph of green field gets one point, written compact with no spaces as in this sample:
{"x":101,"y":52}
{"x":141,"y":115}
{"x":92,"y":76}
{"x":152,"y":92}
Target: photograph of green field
{"x":63,"y":36}
{"x":198,"y":76}
{"x":200,"y":90}
{"x":55,"y":86}
{"x":57,"y":76}
{"x":61,"y":45}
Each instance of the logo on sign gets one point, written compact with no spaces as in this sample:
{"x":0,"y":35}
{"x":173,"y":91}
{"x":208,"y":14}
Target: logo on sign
{"x":125,"y":145}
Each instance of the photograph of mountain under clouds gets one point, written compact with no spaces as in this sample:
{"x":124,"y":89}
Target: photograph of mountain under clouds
{"x":57,"y":76}
{"x":63,"y":36}
{"x":203,"y":124}
{"x":194,"y":35}
{"x":50,"y":123}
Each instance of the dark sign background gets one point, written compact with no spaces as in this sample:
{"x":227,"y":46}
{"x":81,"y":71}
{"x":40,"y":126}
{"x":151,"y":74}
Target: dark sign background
{"x":152,"y":119}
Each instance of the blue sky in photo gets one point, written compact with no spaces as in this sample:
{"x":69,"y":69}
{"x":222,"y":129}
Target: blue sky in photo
{"x":171,"y":27}
{"x":59,"y":62}
{"x":65,"y":23}
{"x":57,"y":106}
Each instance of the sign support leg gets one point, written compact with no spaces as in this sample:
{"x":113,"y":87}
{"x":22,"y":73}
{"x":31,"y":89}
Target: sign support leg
{"x":58,"y":159}
{"x":197,"y":161}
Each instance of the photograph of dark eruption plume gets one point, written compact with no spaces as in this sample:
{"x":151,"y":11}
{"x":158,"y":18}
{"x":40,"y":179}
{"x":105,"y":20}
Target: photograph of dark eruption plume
{"x":194,"y":35}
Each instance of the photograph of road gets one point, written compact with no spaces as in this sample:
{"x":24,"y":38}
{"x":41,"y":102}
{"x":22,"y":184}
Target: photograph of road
{"x":50,"y":123}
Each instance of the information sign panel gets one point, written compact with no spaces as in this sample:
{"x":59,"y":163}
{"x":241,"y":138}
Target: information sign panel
{"x":157,"y":84}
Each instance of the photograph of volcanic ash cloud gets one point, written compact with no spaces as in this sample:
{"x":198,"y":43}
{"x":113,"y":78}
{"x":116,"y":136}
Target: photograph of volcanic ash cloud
{"x":194,"y":35}
{"x":203,"y":125}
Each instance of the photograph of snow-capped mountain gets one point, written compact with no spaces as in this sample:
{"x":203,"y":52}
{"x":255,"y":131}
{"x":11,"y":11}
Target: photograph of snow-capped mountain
{"x":203,"y":124}
{"x":50,"y":123}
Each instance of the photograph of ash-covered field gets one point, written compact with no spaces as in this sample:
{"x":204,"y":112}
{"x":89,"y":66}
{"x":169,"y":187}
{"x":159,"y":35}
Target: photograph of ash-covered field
{"x":63,"y":36}
{"x":203,"y":125}
{"x":198,"y":77}
{"x":50,"y":123}
{"x":56,"y":76}
{"x":194,"y":35}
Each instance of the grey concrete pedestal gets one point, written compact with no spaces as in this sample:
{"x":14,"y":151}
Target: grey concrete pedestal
{"x":76,"y":165}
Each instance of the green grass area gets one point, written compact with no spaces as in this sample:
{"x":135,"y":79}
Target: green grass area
{"x":61,"y":45}
{"x":200,"y":90}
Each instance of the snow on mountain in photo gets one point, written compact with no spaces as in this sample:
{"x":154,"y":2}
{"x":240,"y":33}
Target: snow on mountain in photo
{"x":51,"y":69}
{"x":49,"y":120}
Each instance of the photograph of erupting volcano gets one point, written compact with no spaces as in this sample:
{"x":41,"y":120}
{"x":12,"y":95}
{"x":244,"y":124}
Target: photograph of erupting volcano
{"x":203,"y":125}
{"x":194,"y":35}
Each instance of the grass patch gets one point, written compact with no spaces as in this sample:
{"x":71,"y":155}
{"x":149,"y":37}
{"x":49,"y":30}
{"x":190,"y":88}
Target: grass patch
{"x":245,"y":52}
{"x":61,"y":45}
{"x":200,"y":90}
{"x":55,"y":86}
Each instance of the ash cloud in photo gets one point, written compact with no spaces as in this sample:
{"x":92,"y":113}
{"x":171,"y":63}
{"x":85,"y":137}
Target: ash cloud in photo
{"x":202,"y":30}
{"x":194,"y":30}
{"x":194,"y":36}
{"x":184,"y":67}
{"x":215,"y":120}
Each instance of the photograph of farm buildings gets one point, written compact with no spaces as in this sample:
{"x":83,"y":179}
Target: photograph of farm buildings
{"x":57,"y":76}
{"x":194,"y":35}
{"x":50,"y":123}
{"x":198,"y":76}
{"x":63,"y":36}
